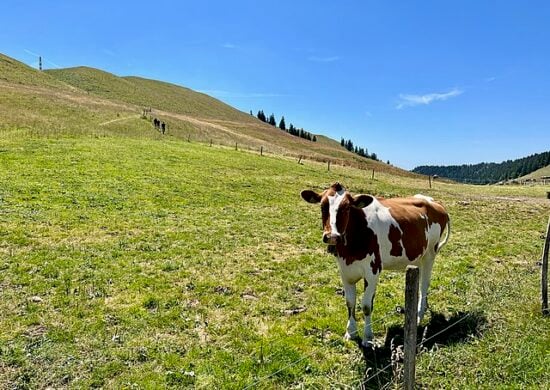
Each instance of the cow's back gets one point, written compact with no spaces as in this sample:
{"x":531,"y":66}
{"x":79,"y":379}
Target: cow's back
{"x":407,"y":228}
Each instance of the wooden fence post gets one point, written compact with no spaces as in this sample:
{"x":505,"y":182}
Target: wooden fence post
{"x":328,"y":166}
{"x":411,"y":310}
{"x":236,"y":146}
{"x":430,"y":180}
{"x":372,"y":174}
{"x":544,"y":272}
{"x":211,"y":142}
{"x":299,"y":159}
{"x":261,"y":150}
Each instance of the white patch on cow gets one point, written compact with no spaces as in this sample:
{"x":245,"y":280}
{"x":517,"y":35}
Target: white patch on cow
{"x":334,"y":204}
{"x":427,"y":198}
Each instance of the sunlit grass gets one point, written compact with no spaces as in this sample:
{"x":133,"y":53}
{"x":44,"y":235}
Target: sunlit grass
{"x":156,"y":263}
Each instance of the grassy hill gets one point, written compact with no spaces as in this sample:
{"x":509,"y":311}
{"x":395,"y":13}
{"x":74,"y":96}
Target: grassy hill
{"x":15,"y":72}
{"x":131,"y":262}
{"x":537,"y":175}
{"x":144,"y":93}
{"x":95,"y":97}
{"x":134,"y":260}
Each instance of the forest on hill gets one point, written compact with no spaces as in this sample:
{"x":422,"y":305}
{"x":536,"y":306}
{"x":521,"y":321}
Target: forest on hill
{"x":488,"y":173}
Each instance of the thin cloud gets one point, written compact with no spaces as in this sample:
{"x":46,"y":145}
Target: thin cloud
{"x":31,"y":53}
{"x":109,"y":52}
{"x":490,"y":79}
{"x":417,"y":100}
{"x":323,"y":59}
{"x":44,"y":60}
{"x":229,"y":46}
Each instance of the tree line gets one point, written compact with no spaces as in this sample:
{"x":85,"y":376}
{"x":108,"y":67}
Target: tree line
{"x":363,"y":152}
{"x":291,"y":129}
{"x":488,"y":173}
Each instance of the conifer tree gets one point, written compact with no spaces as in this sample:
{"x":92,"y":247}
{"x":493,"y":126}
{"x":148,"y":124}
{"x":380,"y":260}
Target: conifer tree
{"x":261,"y":116}
{"x":282,"y":124}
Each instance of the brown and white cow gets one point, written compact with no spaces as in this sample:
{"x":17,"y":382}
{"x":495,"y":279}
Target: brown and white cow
{"x":369,"y":234}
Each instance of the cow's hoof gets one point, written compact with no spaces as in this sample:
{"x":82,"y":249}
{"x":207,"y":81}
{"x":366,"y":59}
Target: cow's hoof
{"x":368,"y":345}
{"x":350,"y":336}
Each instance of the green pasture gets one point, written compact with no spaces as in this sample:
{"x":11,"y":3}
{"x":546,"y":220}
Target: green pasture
{"x":149,"y":262}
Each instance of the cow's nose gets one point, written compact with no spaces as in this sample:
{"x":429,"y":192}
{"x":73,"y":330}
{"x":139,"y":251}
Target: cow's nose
{"x":330,"y":238}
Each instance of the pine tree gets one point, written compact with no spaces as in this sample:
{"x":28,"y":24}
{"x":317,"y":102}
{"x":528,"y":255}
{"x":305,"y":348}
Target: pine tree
{"x":261,"y":116}
{"x":314,"y":138}
{"x":272,"y":120}
{"x":342,"y":142}
{"x":282,"y":124}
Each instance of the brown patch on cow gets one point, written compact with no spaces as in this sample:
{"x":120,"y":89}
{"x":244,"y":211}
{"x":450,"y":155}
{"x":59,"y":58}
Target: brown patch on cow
{"x":360,"y":241}
{"x":395,"y":237}
{"x":337,"y":187}
{"x":406,"y":212}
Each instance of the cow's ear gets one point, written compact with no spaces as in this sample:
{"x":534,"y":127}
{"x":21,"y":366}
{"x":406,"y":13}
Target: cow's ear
{"x":362,"y":201}
{"x":310,"y":196}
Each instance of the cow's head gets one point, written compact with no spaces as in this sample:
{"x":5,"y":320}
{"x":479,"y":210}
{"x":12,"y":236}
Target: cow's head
{"x":336,"y":204}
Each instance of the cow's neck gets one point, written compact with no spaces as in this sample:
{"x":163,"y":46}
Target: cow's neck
{"x":359,"y":241}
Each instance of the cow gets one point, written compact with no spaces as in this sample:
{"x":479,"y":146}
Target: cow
{"x":369,"y":234}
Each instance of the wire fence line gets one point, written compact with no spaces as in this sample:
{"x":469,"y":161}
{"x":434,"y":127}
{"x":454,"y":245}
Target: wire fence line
{"x":306,"y":356}
{"x":363,"y":381}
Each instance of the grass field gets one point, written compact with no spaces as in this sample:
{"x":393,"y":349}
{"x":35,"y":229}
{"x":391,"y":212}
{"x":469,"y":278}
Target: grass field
{"x":148,"y":262}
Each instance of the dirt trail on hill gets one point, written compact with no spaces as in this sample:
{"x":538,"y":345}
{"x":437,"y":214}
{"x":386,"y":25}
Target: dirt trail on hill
{"x":202,"y":122}
{"x":119,"y":119}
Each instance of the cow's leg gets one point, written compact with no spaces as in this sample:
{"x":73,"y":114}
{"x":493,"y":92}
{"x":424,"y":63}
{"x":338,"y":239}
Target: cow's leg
{"x":425,"y":277}
{"x":367,"y":305}
{"x":351,"y":328}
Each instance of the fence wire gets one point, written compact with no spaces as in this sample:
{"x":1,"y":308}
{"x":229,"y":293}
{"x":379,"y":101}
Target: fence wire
{"x":306,"y":356}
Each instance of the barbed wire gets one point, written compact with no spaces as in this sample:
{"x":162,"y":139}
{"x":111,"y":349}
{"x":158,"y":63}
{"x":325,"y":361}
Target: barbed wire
{"x":306,"y":356}
{"x":363,"y":381}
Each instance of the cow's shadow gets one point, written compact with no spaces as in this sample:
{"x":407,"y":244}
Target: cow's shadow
{"x":384,"y":362}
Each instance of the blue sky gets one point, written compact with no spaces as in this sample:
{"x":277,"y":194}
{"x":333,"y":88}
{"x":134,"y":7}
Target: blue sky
{"x":423,"y":82}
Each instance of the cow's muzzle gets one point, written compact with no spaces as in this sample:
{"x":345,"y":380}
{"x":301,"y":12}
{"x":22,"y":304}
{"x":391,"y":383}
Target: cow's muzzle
{"x":331,"y":238}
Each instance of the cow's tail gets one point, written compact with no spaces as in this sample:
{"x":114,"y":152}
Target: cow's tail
{"x":442,"y":243}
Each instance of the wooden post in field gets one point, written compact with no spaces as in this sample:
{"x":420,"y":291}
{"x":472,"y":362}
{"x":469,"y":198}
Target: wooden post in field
{"x":372,"y":178}
{"x":210,"y":141}
{"x":300,"y":159}
{"x":261,"y":150}
{"x":411,"y":310}
{"x":236,"y":146}
{"x":430,"y":180}
{"x":544,"y":272}
{"x":328,"y":166}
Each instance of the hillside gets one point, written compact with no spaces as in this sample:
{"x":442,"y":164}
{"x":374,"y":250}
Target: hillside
{"x":144,"y":93}
{"x":487,"y":173}
{"x":203,"y":118}
{"x":136,"y":263}
{"x":15,"y":72}
{"x":537,"y":175}
{"x":85,"y":100}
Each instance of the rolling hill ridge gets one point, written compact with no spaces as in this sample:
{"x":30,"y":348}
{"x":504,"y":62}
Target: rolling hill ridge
{"x":95,"y":102}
